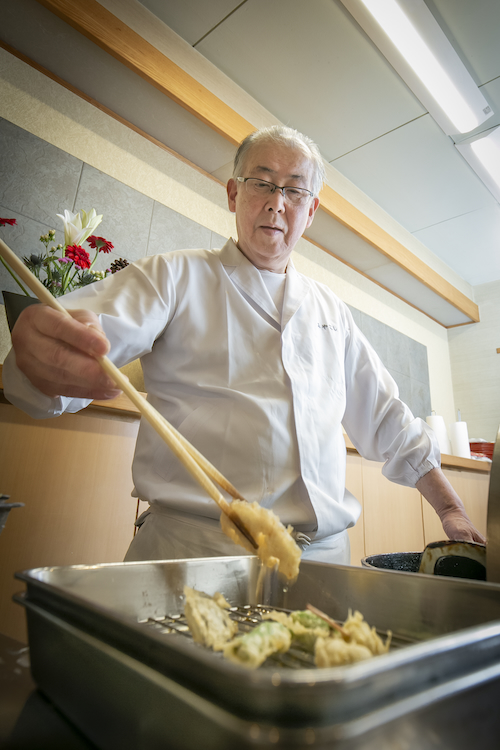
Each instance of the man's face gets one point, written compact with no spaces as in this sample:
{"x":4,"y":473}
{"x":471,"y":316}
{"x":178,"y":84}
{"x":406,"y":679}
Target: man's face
{"x":268,"y":227}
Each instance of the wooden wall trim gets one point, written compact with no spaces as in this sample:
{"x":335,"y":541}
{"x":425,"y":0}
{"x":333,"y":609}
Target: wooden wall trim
{"x":344,"y":212}
{"x":107,"y":31}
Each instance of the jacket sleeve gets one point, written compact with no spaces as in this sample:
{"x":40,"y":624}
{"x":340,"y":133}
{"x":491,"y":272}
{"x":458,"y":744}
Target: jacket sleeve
{"x":21,"y":393}
{"x":380,"y":425}
{"x":133,"y":313}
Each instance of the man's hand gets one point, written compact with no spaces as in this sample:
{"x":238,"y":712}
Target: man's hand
{"x":440,"y":494}
{"x":459,"y":527}
{"x":57,"y":353}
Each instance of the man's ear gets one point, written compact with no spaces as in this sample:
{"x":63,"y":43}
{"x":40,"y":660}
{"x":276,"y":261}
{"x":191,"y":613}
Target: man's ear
{"x":232,"y":189}
{"x":312,"y":210}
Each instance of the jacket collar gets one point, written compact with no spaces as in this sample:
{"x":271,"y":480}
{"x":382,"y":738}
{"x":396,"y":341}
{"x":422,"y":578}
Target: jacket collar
{"x":248,"y":278}
{"x":296,"y":290}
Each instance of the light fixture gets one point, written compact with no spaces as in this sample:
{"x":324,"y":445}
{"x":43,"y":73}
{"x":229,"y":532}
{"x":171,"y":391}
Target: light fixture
{"x":487,"y":150}
{"x":483,"y":154}
{"x":411,"y":39}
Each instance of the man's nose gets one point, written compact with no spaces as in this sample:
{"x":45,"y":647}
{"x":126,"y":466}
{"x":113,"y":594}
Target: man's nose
{"x":276,"y":201}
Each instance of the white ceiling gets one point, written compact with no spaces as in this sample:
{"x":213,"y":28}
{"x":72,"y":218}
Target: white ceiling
{"x":312,"y":67}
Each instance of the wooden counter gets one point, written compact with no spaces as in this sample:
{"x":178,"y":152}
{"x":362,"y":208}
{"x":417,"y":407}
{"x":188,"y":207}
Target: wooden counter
{"x":73,"y":474}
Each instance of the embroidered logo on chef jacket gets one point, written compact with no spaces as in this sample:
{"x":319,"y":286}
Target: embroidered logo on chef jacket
{"x":327,"y":326}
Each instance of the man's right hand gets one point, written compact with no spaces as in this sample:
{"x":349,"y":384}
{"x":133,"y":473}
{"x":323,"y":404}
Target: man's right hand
{"x":57,"y":353}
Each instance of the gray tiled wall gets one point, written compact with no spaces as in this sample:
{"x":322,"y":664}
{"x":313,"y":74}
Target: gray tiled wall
{"x":38,"y":181}
{"x":405,"y":359}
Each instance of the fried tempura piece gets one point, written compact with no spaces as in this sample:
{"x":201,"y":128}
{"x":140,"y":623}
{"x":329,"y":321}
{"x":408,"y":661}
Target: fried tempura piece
{"x":309,"y":620}
{"x":304,"y":626}
{"x":221,"y":600}
{"x":332,"y":652}
{"x":275,"y":542}
{"x":363,"y":642}
{"x":208,"y":620}
{"x":360,"y":632}
{"x":253,"y":648}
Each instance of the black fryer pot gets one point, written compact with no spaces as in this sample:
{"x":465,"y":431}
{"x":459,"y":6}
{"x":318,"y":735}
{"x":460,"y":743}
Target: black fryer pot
{"x":453,"y":558}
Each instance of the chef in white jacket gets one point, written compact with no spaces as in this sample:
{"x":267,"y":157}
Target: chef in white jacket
{"x":258,"y":366}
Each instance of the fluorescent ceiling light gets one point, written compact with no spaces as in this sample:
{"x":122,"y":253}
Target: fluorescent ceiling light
{"x":483,"y":155}
{"x":417,"y":53}
{"x":409,"y":36}
{"x":487,"y":150}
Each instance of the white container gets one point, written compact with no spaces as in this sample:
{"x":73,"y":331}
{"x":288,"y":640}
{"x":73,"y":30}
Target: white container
{"x":439,"y":427}
{"x":459,"y":438}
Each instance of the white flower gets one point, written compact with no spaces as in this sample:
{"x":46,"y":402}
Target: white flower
{"x":79,"y":226}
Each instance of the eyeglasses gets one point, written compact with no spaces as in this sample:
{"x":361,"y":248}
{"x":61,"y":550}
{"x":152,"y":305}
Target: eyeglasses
{"x":295,"y":195}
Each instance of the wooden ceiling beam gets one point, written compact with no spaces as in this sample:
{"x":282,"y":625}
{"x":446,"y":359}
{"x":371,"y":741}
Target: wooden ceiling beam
{"x":355,"y":220}
{"x":107,"y":31}
{"x":113,"y":36}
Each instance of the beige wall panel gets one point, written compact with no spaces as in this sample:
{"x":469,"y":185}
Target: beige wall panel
{"x":392,"y":513}
{"x":74,"y":476}
{"x":354,"y":483}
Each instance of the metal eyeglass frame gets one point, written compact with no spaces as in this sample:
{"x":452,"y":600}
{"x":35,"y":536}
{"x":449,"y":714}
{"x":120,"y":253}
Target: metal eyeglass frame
{"x":282,"y":190}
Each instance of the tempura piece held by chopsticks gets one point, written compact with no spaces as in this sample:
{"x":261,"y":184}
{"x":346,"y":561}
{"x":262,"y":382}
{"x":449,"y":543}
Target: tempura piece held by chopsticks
{"x":275,"y":544}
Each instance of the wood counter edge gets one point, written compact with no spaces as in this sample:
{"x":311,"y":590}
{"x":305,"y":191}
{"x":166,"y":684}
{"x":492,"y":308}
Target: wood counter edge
{"x":119,"y":405}
{"x":122,"y":406}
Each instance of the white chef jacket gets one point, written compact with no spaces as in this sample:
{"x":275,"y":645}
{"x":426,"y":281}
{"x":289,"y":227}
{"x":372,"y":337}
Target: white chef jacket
{"x":262,"y":395}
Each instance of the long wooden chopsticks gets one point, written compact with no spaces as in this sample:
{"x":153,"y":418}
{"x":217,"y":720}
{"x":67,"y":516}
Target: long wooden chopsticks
{"x":198,"y":466}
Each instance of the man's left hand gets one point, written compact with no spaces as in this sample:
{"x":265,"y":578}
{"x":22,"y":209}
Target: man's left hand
{"x":440,"y":494}
{"x":459,"y":528}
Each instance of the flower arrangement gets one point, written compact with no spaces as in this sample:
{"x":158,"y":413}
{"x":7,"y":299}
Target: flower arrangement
{"x":64,"y":267}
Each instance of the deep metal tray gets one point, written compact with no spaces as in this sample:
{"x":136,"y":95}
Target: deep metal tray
{"x":130,"y":685}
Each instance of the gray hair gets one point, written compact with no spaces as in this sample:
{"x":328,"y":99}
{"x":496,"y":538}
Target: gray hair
{"x":282,"y":136}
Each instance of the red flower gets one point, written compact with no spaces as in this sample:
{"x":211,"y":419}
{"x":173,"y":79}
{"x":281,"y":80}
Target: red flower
{"x":78,"y":255}
{"x":100,"y":244}
{"x":3,"y":222}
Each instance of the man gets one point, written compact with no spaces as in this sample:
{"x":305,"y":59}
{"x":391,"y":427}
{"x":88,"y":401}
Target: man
{"x":255,"y":364}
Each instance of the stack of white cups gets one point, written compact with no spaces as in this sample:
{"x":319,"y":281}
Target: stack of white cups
{"x":459,"y":437}
{"x":455,"y":441}
{"x":439,"y":427}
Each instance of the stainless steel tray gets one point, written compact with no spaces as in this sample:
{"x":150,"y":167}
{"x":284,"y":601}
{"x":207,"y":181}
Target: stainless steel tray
{"x":130,"y":685}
